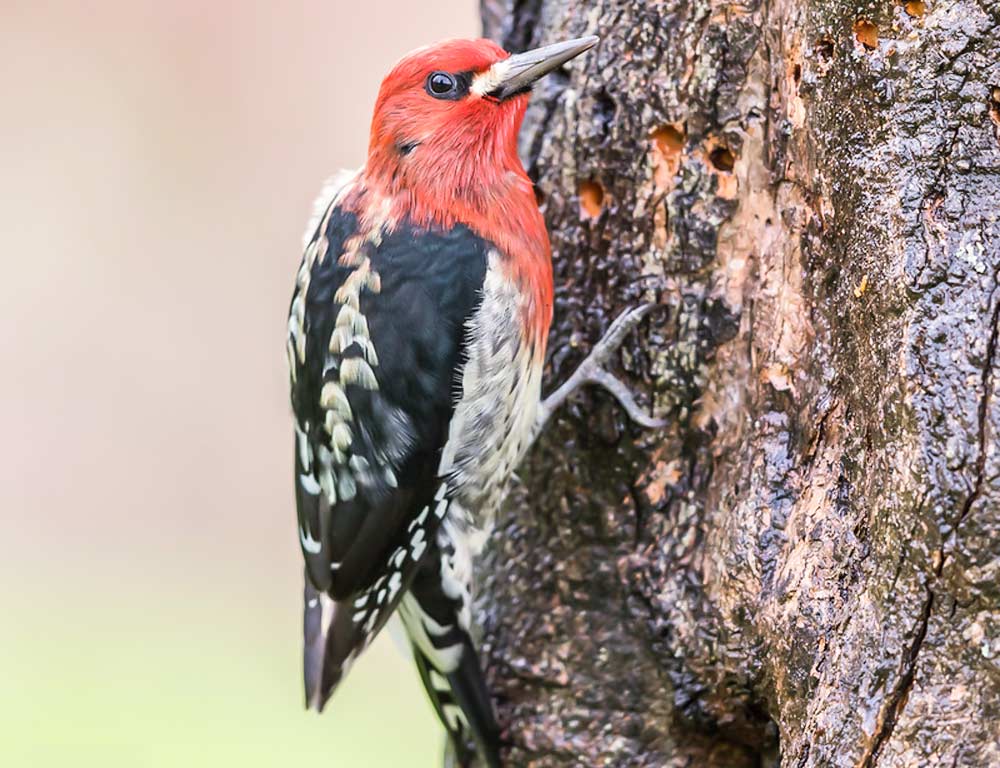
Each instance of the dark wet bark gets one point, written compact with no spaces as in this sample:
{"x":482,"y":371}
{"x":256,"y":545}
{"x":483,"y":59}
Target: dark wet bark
{"x":807,"y":562}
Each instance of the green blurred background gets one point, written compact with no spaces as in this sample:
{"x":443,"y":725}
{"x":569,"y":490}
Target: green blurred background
{"x":157,"y":164}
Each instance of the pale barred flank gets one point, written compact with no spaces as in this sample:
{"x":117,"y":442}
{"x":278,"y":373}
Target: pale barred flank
{"x":457,"y":566}
{"x":488,"y":434}
{"x":501,"y":388}
{"x":423,"y":630}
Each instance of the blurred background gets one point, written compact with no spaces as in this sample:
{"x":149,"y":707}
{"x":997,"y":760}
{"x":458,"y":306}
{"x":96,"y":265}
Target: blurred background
{"x":158,"y":161}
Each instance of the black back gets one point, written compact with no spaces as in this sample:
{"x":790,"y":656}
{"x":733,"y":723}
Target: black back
{"x":366,"y":546}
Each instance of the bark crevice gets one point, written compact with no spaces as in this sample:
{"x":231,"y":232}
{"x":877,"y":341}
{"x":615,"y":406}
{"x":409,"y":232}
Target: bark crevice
{"x":897,"y":699}
{"x":984,"y":407}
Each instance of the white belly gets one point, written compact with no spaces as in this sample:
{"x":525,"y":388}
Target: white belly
{"x":493,"y":420}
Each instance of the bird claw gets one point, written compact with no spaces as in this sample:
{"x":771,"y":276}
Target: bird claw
{"x":623,"y":395}
{"x":592,"y":371}
{"x":622,"y":326}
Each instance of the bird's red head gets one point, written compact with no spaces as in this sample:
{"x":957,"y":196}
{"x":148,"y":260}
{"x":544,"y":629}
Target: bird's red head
{"x":435,"y":123}
{"x":443,"y":151}
{"x":445,"y":127}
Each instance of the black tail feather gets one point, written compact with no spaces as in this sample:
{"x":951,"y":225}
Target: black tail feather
{"x":328,"y":641}
{"x":449,"y":667}
{"x":463,"y":705}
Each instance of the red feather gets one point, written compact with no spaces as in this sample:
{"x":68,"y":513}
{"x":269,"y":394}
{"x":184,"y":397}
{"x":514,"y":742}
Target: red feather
{"x":466,"y":170}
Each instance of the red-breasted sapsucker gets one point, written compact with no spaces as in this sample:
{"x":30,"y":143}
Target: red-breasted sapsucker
{"x":416,"y":339}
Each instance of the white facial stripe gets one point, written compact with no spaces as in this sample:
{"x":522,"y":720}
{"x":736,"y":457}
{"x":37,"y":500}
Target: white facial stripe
{"x":490,"y":80}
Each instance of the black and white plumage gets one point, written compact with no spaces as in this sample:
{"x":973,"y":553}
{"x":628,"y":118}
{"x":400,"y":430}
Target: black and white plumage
{"x":416,"y":338}
{"x":414,"y":391}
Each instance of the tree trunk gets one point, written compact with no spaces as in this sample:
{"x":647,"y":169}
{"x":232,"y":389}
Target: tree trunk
{"x":803,"y":568}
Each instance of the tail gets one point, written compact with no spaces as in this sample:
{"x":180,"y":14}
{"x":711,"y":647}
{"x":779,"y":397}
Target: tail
{"x":449,"y":665}
{"x":328,"y":645}
{"x":337,"y":632}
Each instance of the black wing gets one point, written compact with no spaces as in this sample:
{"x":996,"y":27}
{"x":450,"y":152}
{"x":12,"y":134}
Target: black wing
{"x":377,"y":329}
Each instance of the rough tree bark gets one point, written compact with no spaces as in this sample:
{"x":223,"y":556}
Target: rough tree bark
{"x":803,"y":568}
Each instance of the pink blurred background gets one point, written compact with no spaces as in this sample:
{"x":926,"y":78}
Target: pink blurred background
{"x":157,"y":165}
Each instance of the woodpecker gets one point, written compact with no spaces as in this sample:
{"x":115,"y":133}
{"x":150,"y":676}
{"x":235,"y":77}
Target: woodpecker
{"x":416,"y":340}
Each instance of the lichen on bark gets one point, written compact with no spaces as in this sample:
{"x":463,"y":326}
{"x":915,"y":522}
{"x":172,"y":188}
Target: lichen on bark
{"x":804,"y":565}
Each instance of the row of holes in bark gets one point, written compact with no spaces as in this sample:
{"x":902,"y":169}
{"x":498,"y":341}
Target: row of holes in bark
{"x":866,"y":31}
{"x":669,"y":141}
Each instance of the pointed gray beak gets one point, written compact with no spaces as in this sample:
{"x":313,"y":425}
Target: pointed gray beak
{"x":516,"y":74}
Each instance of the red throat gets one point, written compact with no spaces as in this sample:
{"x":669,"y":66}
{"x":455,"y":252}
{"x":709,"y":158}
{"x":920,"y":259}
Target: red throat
{"x":438,"y":164}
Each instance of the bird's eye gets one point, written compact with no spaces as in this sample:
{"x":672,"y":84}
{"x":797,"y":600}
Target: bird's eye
{"x":441,"y":85}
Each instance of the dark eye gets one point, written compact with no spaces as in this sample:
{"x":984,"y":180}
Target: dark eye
{"x":441,"y":85}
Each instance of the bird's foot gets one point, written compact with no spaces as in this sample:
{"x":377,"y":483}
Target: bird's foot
{"x":592,"y":371}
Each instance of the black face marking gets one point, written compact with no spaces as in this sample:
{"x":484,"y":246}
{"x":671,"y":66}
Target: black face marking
{"x":500,"y":95}
{"x":448,"y":86}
